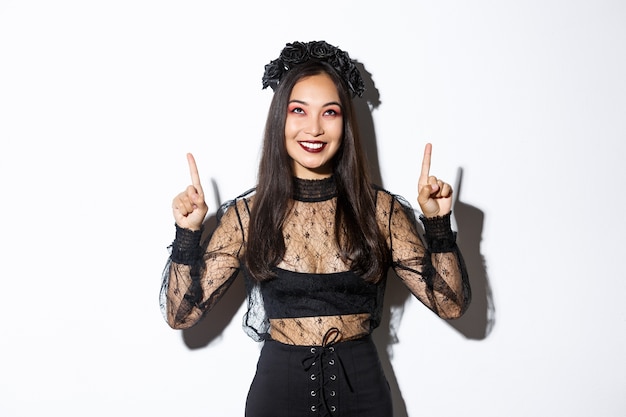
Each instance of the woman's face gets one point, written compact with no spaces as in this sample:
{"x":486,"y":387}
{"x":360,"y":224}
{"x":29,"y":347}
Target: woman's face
{"x":314,"y":126}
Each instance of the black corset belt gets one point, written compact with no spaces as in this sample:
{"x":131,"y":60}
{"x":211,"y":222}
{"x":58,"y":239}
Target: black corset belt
{"x":323,"y":363}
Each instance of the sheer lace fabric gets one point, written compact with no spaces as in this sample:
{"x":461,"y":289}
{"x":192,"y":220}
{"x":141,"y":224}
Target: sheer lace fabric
{"x":310,"y":331}
{"x":196,"y":277}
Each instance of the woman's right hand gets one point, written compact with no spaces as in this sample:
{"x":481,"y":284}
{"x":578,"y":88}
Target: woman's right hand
{"x":189,"y":207}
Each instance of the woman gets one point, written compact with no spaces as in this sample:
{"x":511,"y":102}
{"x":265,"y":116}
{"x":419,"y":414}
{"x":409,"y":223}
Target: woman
{"x":314,"y":241}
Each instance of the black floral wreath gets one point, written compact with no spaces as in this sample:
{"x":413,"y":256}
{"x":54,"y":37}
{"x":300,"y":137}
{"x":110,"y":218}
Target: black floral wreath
{"x":296,"y":53}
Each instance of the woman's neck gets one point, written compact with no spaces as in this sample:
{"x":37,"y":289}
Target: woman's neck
{"x":314,"y":190}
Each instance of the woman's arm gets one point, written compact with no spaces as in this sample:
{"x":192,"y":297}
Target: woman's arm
{"x":194,"y":278}
{"x":433,"y":271}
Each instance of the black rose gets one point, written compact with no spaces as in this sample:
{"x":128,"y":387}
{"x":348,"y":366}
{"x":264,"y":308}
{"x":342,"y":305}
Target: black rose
{"x":355,"y":82}
{"x":342,"y":62}
{"x":294,"y":53}
{"x":273,"y":73}
{"x":322,"y":50}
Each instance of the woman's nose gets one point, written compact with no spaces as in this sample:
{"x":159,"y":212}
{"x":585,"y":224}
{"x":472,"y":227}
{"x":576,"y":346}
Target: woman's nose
{"x":314,"y":128}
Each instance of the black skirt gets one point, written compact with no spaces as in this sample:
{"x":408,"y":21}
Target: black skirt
{"x":345,"y":379}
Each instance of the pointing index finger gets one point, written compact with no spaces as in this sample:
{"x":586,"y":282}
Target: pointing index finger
{"x":426,"y":164}
{"x":193,"y":170}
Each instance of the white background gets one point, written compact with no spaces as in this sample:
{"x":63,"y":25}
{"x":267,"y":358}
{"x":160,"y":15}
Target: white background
{"x":100,"y":101}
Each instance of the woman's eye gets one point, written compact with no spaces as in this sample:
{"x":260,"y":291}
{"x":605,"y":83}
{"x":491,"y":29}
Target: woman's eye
{"x":331,"y":112}
{"x":297,"y":110}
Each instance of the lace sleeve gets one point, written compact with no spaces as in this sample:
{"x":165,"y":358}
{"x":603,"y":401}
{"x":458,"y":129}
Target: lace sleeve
{"x":195,"y":278}
{"x":435,"y":273}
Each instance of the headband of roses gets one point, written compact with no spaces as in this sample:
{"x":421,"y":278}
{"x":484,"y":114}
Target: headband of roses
{"x":296,"y":53}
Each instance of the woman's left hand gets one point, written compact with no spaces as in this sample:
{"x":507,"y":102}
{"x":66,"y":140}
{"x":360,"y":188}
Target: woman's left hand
{"x":434,"y":196}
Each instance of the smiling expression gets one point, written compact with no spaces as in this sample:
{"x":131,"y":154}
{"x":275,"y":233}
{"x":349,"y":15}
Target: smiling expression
{"x":314,"y":126}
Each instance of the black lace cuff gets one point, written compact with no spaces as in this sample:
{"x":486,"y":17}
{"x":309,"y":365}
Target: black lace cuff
{"x":438,"y":233}
{"x":186,"y":246}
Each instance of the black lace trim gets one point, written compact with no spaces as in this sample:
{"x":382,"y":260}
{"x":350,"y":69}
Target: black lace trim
{"x":310,"y":191}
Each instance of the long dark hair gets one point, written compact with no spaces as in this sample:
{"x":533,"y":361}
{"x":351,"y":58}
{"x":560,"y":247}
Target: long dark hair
{"x":360,"y":241}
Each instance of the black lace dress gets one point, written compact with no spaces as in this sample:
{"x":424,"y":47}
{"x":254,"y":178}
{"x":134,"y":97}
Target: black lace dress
{"x":315,"y":318}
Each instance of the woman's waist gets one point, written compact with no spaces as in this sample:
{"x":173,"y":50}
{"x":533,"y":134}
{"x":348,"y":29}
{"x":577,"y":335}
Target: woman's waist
{"x":320,"y":330}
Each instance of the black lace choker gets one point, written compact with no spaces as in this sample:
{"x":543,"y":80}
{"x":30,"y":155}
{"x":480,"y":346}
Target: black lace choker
{"x":314,"y":190}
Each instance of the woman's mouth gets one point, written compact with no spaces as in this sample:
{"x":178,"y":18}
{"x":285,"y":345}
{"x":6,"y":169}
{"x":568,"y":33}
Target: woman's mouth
{"x":313,"y":147}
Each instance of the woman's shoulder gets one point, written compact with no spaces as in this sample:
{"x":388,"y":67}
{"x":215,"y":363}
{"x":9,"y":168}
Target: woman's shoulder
{"x":239,"y":204}
{"x":390,"y":205}
{"x":387,"y":198}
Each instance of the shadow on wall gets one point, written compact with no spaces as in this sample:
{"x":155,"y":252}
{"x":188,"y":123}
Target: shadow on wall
{"x":475,"y":324}
{"x":479,"y":319}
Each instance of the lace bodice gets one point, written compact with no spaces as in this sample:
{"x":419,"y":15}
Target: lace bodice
{"x":324,"y":292}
